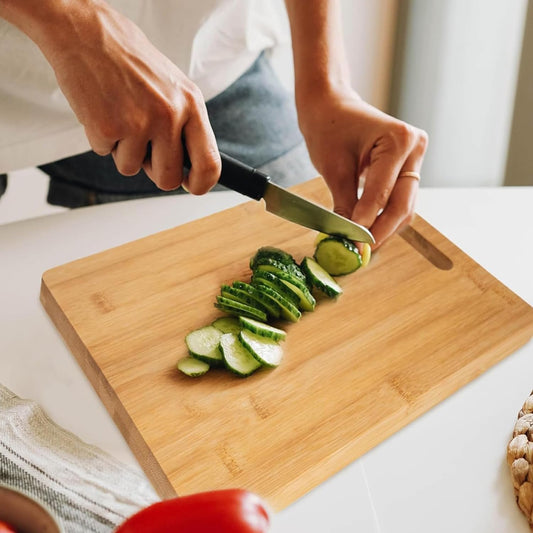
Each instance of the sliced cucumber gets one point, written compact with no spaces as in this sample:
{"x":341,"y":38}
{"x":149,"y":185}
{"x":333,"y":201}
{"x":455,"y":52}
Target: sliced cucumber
{"x":306,"y":300}
{"x":192,"y":367}
{"x":272,"y":265}
{"x":273,"y":309}
{"x":262,"y":329}
{"x":288,"y":310}
{"x":227,"y":324}
{"x":237,"y":358}
{"x":271,"y":252}
{"x":319,"y":278}
{"x":203,"y":344}
{"x":233,"y":307}
{"x":241,"y":296}
{"x":272,"y":280}
{"x":338,"y":256}
{"x":366,"y":253}
{"x":266,"y":351}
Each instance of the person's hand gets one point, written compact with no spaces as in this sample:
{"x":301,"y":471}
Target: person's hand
{"x":351,"y":142}
{"x":132,"y":100}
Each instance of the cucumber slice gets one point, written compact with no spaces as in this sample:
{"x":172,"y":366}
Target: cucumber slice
{"x":271,"y":265}
{"x":262,"y":329}
{"x":267,"y":351}
{"x":192,"y":367}
{"x":241,"y":296}
{"x":319,"y":278}
{"x":227,"y":324}
{"x":270,"y":279}
{"x":274,"y":253}
{"x":306,"y":300}
{"x":273,"y":309}
{"x":366,"y":252}
{"x":203,"y":344}
{"x":237,"y":358}
{"x":288,"y":310}
{"x":338,"y":256}
{"x":233,"y":307}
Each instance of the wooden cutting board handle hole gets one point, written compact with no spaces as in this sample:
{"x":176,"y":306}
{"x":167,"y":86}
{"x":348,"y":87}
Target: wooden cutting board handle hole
{"x":425,"y":248}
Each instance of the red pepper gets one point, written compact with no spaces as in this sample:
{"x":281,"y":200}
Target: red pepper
{"x":223,"y":511}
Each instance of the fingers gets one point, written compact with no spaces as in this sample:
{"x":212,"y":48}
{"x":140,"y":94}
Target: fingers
{"x":129,"y":155}
{"x":203,"y":153}
{"x":388,"y":201}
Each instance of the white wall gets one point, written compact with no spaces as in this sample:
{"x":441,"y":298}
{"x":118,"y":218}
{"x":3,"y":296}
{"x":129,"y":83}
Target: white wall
{"x":459,"y":82}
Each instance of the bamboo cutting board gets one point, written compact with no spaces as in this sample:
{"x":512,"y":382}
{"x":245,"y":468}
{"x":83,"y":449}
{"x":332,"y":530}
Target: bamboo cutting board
{"x":422,"y":320}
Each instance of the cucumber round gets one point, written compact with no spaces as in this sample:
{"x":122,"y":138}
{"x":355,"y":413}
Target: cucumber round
{"x":337,"y":256}
{"x":262,"y":329}
{"x":236,"y":357}
{"x":320,"y":279}
{"x":192,"y":367}
{"x":272,"y":265}
{"x":266,"y":351}
{"x":203,"y":344}
{"x":227,"y":324}
{"x":306,"y":300}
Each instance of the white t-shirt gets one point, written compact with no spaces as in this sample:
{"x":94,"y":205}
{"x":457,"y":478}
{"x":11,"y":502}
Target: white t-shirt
{"x":213,"y":41}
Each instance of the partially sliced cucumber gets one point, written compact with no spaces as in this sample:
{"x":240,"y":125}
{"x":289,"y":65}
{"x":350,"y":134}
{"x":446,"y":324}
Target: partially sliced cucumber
{"x":192,"y":367}
{"x":273,"y":309}
{"x":237,"y":358}
{"x":288,"y":310}
{"x":262,"y":329}
{"x":233,"y":307}
{"x":227,"y":324}
{"x":272,"y":280}
{"x":338,"y":256}
{"x":320,"y":279}
{"x":203,"y":344}
{"x":366,"y":253}
{"x":267,"y":351}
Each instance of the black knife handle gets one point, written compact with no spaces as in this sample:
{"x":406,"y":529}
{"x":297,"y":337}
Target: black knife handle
{"x":238,"y":176}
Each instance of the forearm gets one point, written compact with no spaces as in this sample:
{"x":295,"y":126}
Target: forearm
{"x":52,"y":24}
{"x":320,"y":64}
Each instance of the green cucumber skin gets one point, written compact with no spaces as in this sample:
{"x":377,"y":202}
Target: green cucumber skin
{"x":332,"y":290}
{"x":241,"y":296}
{"x":288,"y":311}
{"x":237,"y":308}
{"x":259,"y":328}
{"x":273,"y":309}
{"x":271,"y":252}
{"x":270,"y":279}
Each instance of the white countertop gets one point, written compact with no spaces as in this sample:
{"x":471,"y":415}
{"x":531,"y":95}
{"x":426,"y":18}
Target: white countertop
{"x":444,"y":472}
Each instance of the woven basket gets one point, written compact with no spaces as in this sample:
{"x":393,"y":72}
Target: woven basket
{"x":520,"y":459}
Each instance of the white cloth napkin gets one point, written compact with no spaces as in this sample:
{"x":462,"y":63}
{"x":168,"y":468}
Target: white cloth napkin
{"x":86,"y":489}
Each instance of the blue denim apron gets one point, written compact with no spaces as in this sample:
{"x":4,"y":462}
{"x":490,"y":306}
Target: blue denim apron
{"x":254,"y":120}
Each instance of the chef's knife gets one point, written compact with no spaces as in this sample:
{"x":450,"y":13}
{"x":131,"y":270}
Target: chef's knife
{"x":253,"y":183}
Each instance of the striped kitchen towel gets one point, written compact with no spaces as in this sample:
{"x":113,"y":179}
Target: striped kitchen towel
{"x":85,"y":488}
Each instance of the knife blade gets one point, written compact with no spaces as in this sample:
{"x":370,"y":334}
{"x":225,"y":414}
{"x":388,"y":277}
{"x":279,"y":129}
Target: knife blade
{"x":253,"y":183}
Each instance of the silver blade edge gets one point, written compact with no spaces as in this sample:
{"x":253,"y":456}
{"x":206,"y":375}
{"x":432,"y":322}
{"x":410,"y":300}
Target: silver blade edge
{"x":292,"y":207}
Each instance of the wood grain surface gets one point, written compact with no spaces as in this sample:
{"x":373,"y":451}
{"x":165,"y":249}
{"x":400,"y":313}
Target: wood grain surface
{"x":421,"y":321}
